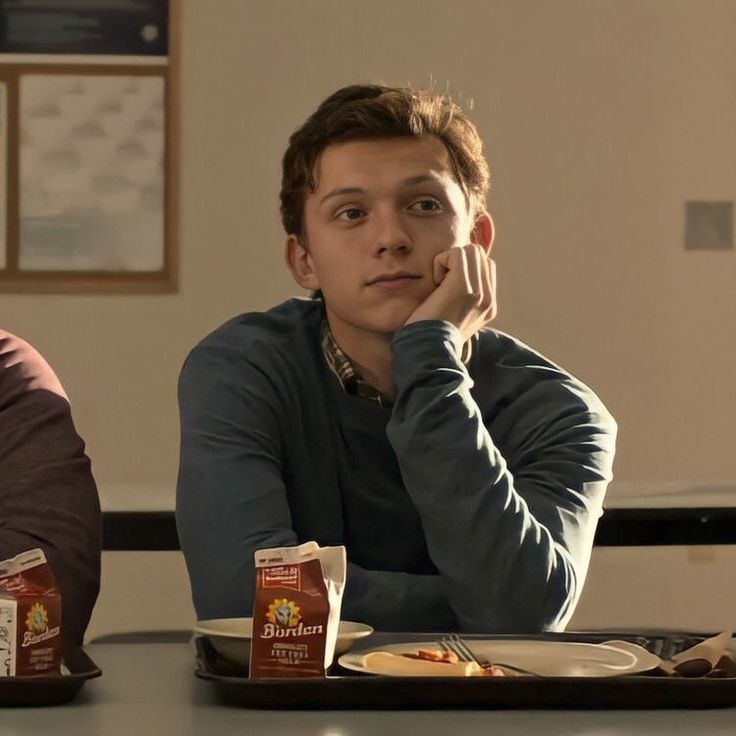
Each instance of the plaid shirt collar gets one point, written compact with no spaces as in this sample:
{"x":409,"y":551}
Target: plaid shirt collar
{"x":342,"y":367}
{"x":339,"y":363}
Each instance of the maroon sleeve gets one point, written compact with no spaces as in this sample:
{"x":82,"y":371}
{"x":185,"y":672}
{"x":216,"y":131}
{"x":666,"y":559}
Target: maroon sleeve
{"x":48,"y":497}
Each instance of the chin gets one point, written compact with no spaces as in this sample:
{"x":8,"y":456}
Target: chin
{"x":393,"y":321}
{"x":378,"y":317}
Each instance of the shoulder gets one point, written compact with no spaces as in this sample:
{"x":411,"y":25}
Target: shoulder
{"x":511,"y":373}
{"x":23,"y":368}
{"x":289,"y":325}
{"x":257,"y":345}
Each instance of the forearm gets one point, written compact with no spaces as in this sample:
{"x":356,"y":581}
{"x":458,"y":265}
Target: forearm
{"x":221,"y":527}
{"x":502,"y":569}
{"x":512,"y":547}
{"x":219,"y":535}
{"x":397,"y":601}
{"x":231,"y":499}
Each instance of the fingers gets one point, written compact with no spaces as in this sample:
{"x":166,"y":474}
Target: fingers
{"x":457,"y":261}
{"x":484,"y":283}
{"x":440,"y":266}
{"x":465,"y":293}
{"x":474,"y":274}
{"x":476,"y":271}
{"x":487,"y":301}
{"x":494,"y":293}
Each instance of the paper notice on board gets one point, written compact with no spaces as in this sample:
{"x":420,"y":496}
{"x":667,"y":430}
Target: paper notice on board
{"x":91,"y":172}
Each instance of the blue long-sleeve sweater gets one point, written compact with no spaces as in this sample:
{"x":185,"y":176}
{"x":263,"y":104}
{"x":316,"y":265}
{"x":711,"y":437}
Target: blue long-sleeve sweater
{"x":471,"y":504}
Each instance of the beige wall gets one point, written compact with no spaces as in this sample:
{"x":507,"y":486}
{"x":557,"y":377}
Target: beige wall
{"x":601,"y":118}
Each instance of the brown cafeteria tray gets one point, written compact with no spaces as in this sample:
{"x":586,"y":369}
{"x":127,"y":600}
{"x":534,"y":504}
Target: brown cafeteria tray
{"x":77,"y":668}
{"x":349,"y":690}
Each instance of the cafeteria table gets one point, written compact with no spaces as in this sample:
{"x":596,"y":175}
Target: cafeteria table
{"x":150,"y":688}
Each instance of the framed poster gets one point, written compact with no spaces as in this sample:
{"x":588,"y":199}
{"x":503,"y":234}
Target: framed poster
{"x":88,"y":114}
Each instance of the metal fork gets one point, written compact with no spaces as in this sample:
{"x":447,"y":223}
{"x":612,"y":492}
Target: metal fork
{"x":457,"y":645}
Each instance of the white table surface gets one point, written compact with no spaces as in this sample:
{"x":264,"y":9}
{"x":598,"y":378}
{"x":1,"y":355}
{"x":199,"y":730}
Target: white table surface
{"x":151,"y":689}
{"x":621,"y":494}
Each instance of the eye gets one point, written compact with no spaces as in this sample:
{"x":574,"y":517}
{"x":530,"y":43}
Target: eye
{"x":350,"y":213}
{"x":426,"y":205}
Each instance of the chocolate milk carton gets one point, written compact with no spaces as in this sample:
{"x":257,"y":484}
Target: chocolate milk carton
{"x":296,"y":610}
{"x":30,"y":616}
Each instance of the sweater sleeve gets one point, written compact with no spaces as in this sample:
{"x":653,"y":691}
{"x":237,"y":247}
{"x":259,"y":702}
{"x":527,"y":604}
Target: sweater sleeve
{"x":48,"y":497}
{"x":511,"y":534}
{"x":232,"y":500}
{"x":397,"y":601}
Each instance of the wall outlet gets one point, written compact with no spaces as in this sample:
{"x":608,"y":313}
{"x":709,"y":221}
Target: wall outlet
{"x":708,"y":225}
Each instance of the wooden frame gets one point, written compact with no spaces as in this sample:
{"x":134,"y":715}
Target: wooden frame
{"x":14,"y":277}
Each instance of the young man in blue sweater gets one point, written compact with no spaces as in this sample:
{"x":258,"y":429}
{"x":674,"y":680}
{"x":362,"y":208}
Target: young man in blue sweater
{"x":463,"y":471}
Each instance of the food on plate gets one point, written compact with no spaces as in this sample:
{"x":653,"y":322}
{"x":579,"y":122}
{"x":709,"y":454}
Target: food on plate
{"x":440,"y":655}
{"x":425,"y":663}
{"x":433,"y":655}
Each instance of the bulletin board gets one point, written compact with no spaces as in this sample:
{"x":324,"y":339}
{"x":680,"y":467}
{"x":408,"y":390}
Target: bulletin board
{"x":88,"y":145}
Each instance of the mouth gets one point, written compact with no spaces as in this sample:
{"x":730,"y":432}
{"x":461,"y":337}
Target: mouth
{"x":396,"y":280}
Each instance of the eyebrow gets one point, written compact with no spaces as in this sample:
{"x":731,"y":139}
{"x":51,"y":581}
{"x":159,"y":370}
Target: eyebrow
{"x":410,"y":182}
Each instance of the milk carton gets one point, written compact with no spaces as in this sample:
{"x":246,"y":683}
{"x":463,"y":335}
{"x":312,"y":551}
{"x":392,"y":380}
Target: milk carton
{"x":30,"y":617}
{"x":296,"y":611}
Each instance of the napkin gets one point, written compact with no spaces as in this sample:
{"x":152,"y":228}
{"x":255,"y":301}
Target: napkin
{"x":708,"y":657}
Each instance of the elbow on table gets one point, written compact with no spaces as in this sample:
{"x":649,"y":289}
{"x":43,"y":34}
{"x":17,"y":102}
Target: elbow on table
{"x":562,"y":592}
{"x":529,"y":605}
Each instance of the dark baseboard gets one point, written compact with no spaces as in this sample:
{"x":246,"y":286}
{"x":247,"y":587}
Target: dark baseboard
{"x":156,"y":530}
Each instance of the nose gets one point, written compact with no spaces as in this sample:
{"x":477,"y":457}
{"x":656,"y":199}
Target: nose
{"x":391,"y":236}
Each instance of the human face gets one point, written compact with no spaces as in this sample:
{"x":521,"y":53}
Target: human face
{"x":380,"y":213}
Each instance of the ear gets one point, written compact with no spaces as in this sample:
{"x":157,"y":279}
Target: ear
{"x":300,"y":264}
{"x":483,"y":231}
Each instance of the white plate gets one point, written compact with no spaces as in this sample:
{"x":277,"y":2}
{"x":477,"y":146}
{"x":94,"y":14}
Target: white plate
{"x":544,"y":658}
{"x":231,"y":636}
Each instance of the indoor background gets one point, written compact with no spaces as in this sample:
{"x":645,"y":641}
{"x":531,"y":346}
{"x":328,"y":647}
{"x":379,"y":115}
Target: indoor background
{"x":602,"y":118}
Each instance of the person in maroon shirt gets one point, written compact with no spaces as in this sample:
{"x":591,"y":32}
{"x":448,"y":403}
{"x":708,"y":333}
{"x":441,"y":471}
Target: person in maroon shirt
{"x":48,"y":496}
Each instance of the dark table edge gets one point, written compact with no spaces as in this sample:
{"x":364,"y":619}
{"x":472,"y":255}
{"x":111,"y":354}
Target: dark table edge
{"x":156,"y":530}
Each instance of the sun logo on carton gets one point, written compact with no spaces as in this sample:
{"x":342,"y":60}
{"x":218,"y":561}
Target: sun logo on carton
{"x":283,"y":612}
{"x":37,"y":619}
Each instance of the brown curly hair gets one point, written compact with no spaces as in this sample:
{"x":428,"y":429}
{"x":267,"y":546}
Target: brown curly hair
{"x":361,"y":112}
